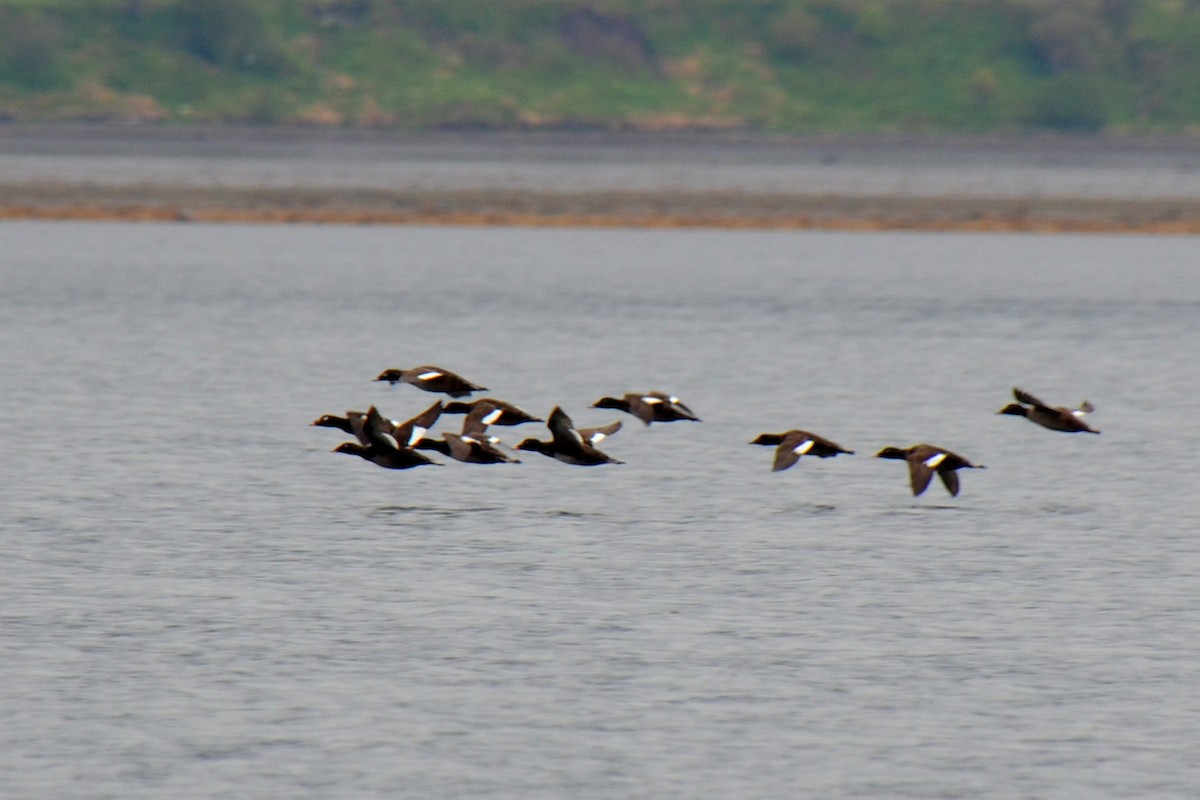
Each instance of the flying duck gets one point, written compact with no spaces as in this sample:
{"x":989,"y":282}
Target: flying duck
{"x":395,"y":458}
{"x":926,"y":459}
{"x":431,"y":379}
{"x":793,"y":444}
{"x":405,"y":434}
{"x":649,"y":407}
{"x":491,"y":411}
{"x":1056,"y":418}
{"x":383,"y":441}
{"x":468,"y":449}
{"x":567,"y":444}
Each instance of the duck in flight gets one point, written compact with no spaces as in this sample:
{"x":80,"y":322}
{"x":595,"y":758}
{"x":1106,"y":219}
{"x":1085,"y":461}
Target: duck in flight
{"x":468,"y":449}
{"x":432,"y":379}
{"x":1055,"y":418}
{"x":472,"y":445}
{"x":491,"y":411}
{"x":406,"y":434}
{"x":382,"y":446}
{"x":567,"y":444}
{"x":791,"y":445}
{"x":926,"y":459}
{"x":649,"y":407}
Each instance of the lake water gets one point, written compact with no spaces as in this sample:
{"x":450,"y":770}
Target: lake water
{"x":201,"y":600}
{"x":1017,"y":168}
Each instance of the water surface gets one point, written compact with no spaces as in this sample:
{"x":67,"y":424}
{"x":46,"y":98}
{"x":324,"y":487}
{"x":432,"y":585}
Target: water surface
{"x":201,"y":600}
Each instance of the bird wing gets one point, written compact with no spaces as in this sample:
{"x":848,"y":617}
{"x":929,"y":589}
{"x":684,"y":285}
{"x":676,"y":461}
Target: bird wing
{"x":378,"y":431}
{"x":794,"y":445}
{"x":642,"y":406}
{"x":358,"y":423}
{"x":1028,"y":399}
{"x":489,"y":415}
{"x":950,"y":478}
{"x":681,"y":407}
{"x":408,"y":433}
{"x":477,"y":421}
{"x":784,"y":457}
{"x":595,"y":436}
{"x":563,"y":430}
{"x":919,"y":475}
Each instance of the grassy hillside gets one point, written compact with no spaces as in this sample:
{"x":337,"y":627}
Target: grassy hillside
{"x":763,"y":65}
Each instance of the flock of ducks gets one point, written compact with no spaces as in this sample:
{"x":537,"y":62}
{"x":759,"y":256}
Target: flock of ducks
{"x":402,"y":445}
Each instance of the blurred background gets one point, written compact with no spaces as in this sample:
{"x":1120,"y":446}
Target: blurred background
{"x":770,"y":66}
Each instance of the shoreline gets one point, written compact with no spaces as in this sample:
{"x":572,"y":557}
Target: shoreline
{"x":596,"y":179}
{"x":532,"y":209}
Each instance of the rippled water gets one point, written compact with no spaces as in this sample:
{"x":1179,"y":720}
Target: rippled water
{"x":199,"y":599}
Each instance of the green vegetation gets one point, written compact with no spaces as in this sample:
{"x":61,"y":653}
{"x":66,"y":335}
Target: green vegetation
{"x":764,"y":65}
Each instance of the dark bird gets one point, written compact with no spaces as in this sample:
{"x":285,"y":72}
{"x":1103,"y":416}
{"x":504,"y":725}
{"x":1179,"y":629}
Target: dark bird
{"x":383,"y":441}
{"x":468,"y":449}
{"x":395,"y":458}
{"x":1056,"y":418}
{"x":649,"y":407}
{"x":567,"y":444}
{"x":431,"y":379}
{"x":491,"y":411}
{"x":926,"y":459}
{"x":791,"y":445}
{"x":405,"y":434}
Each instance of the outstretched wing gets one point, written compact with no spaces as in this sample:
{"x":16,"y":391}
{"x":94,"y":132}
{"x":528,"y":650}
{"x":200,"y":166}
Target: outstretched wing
{"x":790,"y":449}
{"x":563,"y":430}
{"x":409,"y":433}
{"x":358,"y":425}
{"x":1028,"y":399}
{"x":595,"y":436}
{"x":918,"y":475}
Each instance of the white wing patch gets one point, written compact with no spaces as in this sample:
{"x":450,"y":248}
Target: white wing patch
{"x":803,"y":447}
{"x":391,"y":440}
{"x":428,"y":376}
{"x":935,"y":459}
{"x":418,"y":433}
{"x":652,"y":400}
{"x":492,"y":416}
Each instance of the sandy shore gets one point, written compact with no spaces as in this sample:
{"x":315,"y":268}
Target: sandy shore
{"x":303,"y":176}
